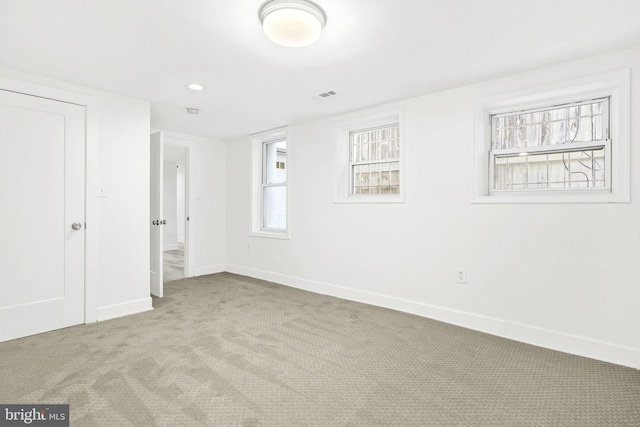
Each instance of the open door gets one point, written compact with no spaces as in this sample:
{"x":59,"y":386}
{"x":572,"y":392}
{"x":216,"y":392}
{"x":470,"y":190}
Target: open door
{"x":155,"y":220}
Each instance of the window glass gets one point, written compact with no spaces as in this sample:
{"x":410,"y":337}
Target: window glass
{"x":374,"y":161}
{"x":275,"y":207}
{"x":275,"y":158}
{"x":559,"y":147}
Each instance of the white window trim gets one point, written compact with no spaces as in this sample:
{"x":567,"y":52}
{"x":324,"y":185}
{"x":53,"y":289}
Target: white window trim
{"x":257,"y":170}
{"x":615,"y":84}
{"x":341,"y":156}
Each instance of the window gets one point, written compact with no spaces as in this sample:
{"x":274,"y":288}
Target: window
{"x":563,"y":147}
{"x":368,"y":159}
{"x":564,"y":144}
{"x":274,"y":186}
{"x":375,"y":161}
{"x":269,"y":160}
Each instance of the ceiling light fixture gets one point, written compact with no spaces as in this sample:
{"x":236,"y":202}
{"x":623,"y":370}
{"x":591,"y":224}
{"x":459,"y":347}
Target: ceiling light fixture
{"x":292,"y":23}
{"x":195,"y":86}
{"x":192,"y":110}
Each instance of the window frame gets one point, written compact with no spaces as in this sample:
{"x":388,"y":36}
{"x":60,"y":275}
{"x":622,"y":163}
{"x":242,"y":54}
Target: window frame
{"x":258,"y":175}
{"x":604,"y":144}
{"x":613,"y":85}
{"x":265,"y":185}
{"x":343,"y":176}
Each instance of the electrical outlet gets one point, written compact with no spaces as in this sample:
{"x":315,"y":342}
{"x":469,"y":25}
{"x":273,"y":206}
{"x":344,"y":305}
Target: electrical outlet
{"x":461,"y":275}
{"x":103,"y":190}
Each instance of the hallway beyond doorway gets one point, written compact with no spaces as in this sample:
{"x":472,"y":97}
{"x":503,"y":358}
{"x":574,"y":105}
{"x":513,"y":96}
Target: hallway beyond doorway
{"x":173,"y":261}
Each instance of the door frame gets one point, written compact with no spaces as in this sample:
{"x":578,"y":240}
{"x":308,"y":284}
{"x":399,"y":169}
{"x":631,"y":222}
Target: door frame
{"x":92,"y":226}
{"x":188,"y":265}
{"x":188,"y":247}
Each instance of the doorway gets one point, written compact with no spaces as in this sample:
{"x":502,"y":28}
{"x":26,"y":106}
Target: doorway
{"x":174,"y":212}
{"x":169,"y":213}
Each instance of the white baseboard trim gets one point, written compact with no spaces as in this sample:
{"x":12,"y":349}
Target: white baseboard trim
{"x":553,"y":340}
{"x":170,"y":247}
{"x":580,"y":346}
{"x":210,"y":269}
{"x":124,"y":309}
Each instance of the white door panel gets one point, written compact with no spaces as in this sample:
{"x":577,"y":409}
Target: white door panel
{"x":42,"y":193}
{"x":155,"y":214}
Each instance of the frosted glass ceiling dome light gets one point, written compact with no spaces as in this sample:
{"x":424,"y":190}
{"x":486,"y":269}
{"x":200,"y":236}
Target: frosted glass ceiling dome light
{"x":292,"y":23}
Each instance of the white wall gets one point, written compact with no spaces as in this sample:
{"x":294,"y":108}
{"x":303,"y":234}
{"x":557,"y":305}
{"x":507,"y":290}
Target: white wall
{"x":124,"y":215}
{"x":206,"y":205}
{"x":562,"y":276}
{"x":117,"y":255}
{"x":170,"y":205}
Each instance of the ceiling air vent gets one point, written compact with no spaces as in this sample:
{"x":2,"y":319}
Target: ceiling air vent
{"x":326,"y":94}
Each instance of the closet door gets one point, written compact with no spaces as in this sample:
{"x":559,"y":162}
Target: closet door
{"x":42,"y":186}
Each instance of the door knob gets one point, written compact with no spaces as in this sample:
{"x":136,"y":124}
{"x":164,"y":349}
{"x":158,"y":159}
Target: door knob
{"x":76,"y":226}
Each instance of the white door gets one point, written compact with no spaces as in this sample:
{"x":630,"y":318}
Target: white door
{"x":42,"y":184}
{"x":156,"y":214}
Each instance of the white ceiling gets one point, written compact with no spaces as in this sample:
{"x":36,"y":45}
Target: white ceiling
{"x":371,"y":52}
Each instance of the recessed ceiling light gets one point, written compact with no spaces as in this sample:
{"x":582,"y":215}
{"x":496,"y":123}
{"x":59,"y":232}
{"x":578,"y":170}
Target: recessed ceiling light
{"x":192,"y":110}
{"x":195,"y":86}
{"x":292,"y":23}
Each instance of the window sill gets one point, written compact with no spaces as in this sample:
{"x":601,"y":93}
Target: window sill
{"x":568,"y":198}
{"x":270,"y":234}
{"x":369,"y":200}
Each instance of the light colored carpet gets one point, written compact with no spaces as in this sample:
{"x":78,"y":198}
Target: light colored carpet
{"x":226,"y":350}
{"x":173,"y":264}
